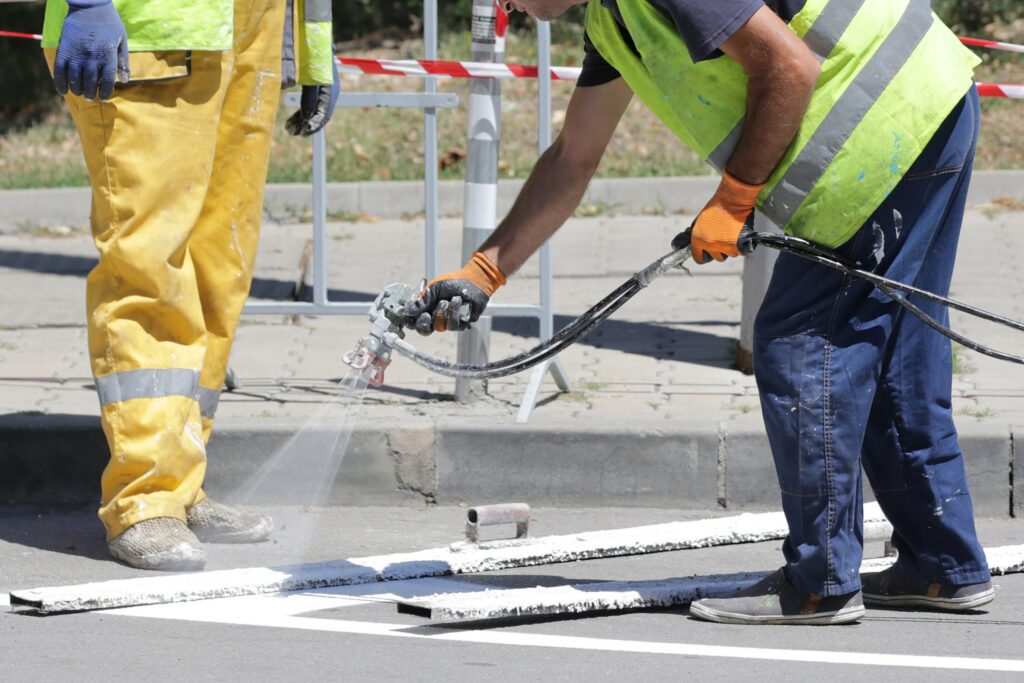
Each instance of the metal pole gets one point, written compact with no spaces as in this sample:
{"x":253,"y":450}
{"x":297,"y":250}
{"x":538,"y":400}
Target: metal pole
{"x":481,"y":194}
{"x":547,"y":323}
{"x":757,"y":273}
{"x":319,"y":218}
{"x":547,"y":317}
{"x":430,"y":169}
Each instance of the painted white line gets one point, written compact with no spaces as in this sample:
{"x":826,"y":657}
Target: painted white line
{"x":205,"y":611}
{"x":298,"y":603}
{"x":617,"y":596}
{"x":587,"y":598}
{"x":460,"y":559}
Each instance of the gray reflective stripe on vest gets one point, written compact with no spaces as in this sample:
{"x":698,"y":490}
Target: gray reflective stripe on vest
{"x":847,"y":113}
{"x":822,"y":38}
{"x":125,"y":386}
{"x":208,"y":402}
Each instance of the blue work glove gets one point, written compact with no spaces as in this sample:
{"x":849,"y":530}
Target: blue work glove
{"x":315,"y":108}
{"x":93,"y":50}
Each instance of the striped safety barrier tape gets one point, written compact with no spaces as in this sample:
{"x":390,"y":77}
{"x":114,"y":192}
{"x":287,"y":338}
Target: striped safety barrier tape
{"x":451,"y":69}
{"x":992,"y":44}
{"x":17,"y":34}
{"x":413,"y":67}
{"x":1013,"y":92}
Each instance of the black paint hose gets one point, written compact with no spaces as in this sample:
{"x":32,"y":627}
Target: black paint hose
{"x":597,"y":314}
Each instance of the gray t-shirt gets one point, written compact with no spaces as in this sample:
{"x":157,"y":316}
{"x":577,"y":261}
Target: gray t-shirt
{"x":703,"y":26}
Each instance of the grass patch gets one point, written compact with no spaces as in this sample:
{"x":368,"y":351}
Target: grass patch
{"x":976,"y":413}
{"x":1001,"y":205}
{"x":32,"y":228}
{"x":961,"y":366}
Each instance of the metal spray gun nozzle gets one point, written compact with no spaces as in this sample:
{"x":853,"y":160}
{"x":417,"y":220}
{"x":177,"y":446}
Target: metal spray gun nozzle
{"x":373,"y":353}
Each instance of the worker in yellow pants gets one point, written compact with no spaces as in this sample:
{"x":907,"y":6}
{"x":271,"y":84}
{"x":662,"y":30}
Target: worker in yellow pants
{"x":178,"y":158}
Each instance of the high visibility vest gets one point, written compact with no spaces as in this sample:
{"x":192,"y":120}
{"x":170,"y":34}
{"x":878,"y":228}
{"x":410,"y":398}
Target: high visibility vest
{"x":891,"y":73}
{"x":168,"y":25}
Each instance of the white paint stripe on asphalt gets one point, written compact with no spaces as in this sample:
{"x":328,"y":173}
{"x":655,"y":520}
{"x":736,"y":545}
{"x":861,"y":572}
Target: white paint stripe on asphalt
{"x":617,"y":596}
{"x":301,"y":602}
{"x":461,"y":559}
{"x":208,"y":611}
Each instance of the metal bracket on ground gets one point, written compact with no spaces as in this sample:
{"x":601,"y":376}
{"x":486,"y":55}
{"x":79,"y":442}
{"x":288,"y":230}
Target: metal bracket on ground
{"x":494,"y":515}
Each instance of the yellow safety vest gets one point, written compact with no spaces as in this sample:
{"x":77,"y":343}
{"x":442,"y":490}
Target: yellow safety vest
{"x":891,"y":73}
{"x":164,"y":25}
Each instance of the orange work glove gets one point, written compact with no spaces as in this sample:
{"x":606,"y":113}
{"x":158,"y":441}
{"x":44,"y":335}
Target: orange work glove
{"x":723,"y":225}
{"x":457,"y":299}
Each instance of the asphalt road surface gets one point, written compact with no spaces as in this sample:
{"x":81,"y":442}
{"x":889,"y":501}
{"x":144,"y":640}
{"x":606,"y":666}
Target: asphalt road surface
{"x":355,"y":633}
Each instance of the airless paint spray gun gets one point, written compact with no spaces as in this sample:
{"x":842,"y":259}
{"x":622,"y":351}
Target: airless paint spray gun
{"x":388,"y":320}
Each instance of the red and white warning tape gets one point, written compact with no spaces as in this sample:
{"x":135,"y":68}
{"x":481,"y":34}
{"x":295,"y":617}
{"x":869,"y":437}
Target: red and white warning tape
{"x":1013,"y":92}
{"x":445,"y":69}
{"x":16,"y":34}
{"x":992,"y":44}
{"x":413,"y":67}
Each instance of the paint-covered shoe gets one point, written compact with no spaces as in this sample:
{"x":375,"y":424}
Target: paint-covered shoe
{"x":774,"y":600}
{"x":892,"y":588}
{"x":163,"y":544}
{"x":215,"y":523}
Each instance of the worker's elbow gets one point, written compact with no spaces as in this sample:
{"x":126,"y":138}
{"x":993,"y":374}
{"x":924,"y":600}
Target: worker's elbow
{"x":575,"y":160}
{"x":806,"y":70}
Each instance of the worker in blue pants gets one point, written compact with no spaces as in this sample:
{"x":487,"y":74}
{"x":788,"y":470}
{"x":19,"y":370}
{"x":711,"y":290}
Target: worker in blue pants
{"x":847,"y":376}
{"x":850,"y":124}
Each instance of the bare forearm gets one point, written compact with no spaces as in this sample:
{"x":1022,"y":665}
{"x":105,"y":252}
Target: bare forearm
{"x":783,"y":72}
{"x":776,"y":105}
{"x":549,"y":197}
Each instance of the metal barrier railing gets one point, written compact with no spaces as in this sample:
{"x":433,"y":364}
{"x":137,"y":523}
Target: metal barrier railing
{"x":430,"y":101}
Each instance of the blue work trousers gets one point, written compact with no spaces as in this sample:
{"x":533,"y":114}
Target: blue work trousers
{"x":848,"y":378}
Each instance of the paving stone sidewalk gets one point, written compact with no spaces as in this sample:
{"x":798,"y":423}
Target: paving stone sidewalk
{"x":658,"y":417}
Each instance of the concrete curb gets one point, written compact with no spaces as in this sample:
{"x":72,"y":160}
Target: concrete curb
{"x":585,"y":462}
{"x":397,"y":199}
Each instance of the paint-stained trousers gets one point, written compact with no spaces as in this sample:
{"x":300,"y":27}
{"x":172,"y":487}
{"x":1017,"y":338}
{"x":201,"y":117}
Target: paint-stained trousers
{"x":848,"y":378}
{"x":178,"y":161}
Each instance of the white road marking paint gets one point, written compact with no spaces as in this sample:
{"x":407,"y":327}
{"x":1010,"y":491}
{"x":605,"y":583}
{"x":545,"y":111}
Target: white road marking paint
{"x":458,"y":559}
{"x":247,"y":611}
{"x":616,"y":596}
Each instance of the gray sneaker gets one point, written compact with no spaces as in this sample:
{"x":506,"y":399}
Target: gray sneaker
{"x":774,"y":600}
{"x":216,"y":523}
{"x":892,"y":588}
{"x":163,"y":543}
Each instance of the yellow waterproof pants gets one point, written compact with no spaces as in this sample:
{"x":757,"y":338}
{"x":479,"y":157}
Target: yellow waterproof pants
{"x":178,"y":161}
